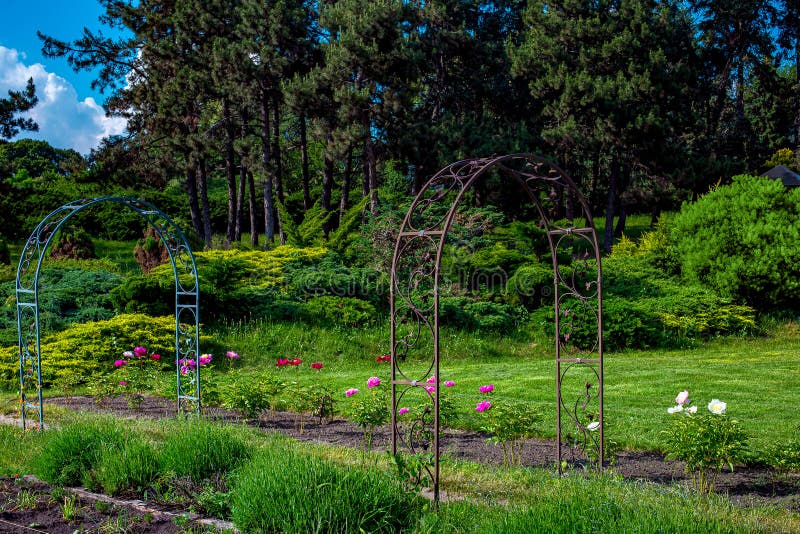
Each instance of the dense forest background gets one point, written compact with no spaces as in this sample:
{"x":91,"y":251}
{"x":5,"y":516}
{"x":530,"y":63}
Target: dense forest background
{"x":247,"y":118}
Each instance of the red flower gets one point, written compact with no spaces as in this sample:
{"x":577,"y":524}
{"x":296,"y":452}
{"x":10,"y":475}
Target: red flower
{"x":384,"y":358}
{"x":282,"y":362}
{"x":316,"y":365}
{"x":295,"y":361}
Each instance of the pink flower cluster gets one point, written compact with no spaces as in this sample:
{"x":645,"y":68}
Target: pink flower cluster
{"x":483,"y":406}
{"x":294,"y":362}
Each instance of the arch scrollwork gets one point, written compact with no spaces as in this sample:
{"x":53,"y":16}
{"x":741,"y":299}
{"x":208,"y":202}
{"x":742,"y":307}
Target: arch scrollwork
{"x":416,"y":276}
{"x":187,"y":302}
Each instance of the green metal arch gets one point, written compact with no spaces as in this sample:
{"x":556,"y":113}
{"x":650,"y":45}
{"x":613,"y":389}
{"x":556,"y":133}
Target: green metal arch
{"x":187,"y":300}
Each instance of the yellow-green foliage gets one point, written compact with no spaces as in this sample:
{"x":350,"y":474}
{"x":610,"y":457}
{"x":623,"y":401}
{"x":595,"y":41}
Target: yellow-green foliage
{"x":783,"y":156}
{"x":261,"y":268}
{"x":724,"y":319}
{"x":75,"y":354}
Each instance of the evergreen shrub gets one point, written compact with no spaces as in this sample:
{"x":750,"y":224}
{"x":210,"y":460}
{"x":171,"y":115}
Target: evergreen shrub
{"x":743,"y":240}
{"x":85,"y":349}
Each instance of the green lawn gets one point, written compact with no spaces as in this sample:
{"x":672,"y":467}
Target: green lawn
{"x":757,"y":377}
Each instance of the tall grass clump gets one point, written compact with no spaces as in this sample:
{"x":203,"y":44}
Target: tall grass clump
{"x":69,"y":453}
{"x":285,"y":490}
{"x":19,"y":449}
{"x":133,"y":465}
{"x":201,"y":450}
{"x":580,"y":505}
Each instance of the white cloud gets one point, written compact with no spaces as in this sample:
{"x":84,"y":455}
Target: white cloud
{"x":64,"y":121}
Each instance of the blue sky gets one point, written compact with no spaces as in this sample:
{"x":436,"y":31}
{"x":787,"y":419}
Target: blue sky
{"x":69,"y":112}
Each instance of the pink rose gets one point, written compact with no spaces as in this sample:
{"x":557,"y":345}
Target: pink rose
{"x":432,"y":380}
{"x":350,"y":392}
{"x":139,"y":351}
{"x":155,"y":356}
{"x":682,"y":397}
{"x":119,"y":363}
{"x":430,"y":389}
{"x":486,"y":389}
{"x":232,"y":355}
{"x":449,"y":384}
{"x":373,"y":381}
{"x":402,"y":411}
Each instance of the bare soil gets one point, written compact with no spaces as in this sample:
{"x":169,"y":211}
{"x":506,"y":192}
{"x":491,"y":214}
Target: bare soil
{"x":27,"y":505}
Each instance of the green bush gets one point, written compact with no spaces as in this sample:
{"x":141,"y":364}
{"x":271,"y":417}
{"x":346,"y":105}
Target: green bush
{"x":70,"y":292}
{"x":340,"y":310}
{"x":643,"y":307}
{"x":467,"y":313}
{"x":234,"y":284}
{"x":201,"y":450}
{"x":283,"y":490}
{"x":85,"y":349}
{"x":531,"y":286}
{"x":330,"y":277}
{"x":743,"y":240}
{"x":70,"y":453}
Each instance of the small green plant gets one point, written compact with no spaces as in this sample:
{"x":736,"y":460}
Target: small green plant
{"x":136,"y":371}
{"x":70,"y":508}
{"x":369,"y":410}
{"x":508,"y":423}
{"x":27,"y":500}
{"x":707,"y":442}
{"x":252,"y":394}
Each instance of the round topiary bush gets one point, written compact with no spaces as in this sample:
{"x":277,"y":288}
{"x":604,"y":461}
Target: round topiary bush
{"x":743,"y":240}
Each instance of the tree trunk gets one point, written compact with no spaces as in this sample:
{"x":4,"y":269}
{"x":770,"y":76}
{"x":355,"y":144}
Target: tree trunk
{"x":276,"y":146}
{"x":304,"y":162}
{"x":202,"y":188}
{"x":327,"y":187}
{"x":269,"y":207}
{"x":194,"y":204}
{"x":370,"y":166}
{"x":251,"y":190}
{"x":348,"y":171}
{"x":229,"y":171}
{"x":608,"y":234}
{"x":623,"y":215}
{"x":240,"y":203}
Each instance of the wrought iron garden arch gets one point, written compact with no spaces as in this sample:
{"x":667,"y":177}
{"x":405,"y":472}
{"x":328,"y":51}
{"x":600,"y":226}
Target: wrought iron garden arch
{"x":414,"y":302}
{"x":187,"y":300}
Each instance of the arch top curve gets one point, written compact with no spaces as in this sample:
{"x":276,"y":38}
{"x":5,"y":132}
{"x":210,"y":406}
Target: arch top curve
{"x":418,"y":282}
{"x":187,"y":297}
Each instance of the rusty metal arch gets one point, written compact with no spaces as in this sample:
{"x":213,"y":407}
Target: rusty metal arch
{"x":187,"y":300}
{"x":414,"y":304}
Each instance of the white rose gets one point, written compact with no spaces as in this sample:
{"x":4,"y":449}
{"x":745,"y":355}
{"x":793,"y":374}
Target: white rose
{"x":675,"y":409}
